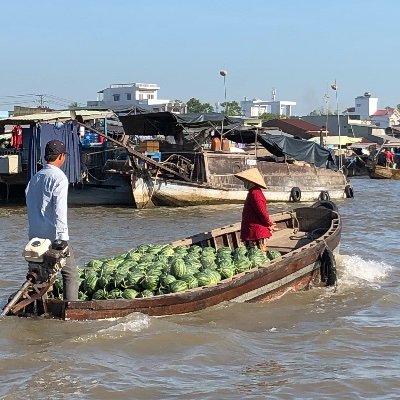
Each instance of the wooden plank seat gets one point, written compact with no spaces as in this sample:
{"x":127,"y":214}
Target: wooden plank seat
{"x":285,"y":240}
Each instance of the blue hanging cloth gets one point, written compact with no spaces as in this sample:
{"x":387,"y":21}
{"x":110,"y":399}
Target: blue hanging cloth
{"x":67,"y":133}
{"x":34,"y":152}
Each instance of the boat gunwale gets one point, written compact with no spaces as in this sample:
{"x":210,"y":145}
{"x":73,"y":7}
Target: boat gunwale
{"x":230,"y":284}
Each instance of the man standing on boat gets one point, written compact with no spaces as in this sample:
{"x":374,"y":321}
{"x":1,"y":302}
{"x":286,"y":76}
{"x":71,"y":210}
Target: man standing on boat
{"x":46,"y":200}
{"x":257,"y":226}
{"x":389,"y":156}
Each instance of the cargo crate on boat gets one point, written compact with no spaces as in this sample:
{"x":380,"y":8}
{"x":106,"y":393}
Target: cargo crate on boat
{"x":149,"y":145}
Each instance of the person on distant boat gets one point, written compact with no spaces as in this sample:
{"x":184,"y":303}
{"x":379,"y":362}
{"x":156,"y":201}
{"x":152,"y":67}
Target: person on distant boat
{"x":46,"y":201}
{"x":215,"y":142}
{"x":389,"y":156}
{"x":381,"y":158}
{"x":257,"y":226}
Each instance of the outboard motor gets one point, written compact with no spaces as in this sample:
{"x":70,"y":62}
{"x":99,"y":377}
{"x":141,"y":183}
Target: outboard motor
{"x":45,"y":260}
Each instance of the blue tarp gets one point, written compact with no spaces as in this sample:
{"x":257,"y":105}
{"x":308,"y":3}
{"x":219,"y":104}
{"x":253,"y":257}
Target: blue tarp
{"x":67,"y":133}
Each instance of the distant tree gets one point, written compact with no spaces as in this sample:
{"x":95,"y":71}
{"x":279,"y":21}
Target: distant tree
{"x":322,"y":111}
{"x":207,"y":107}
{"x":233,"y":108}
{"x":269,"y":116}
{"x":398,"y":107}
{"x":196,"y":106}
{"x":73,"y":105}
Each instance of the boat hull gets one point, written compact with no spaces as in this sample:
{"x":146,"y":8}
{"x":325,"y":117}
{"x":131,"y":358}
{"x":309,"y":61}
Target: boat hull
{"x":175,"y":193}
{"x":296,"y":269}
{"x":380,"y":172}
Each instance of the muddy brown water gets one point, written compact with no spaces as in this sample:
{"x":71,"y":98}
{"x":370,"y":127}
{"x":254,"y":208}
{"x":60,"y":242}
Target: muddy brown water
{"x":318,"y":344}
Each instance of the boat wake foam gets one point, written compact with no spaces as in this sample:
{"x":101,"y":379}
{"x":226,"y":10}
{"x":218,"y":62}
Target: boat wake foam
{"x":135,"y":322}
{"x":354,"y":270}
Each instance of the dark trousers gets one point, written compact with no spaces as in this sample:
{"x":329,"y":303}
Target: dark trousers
{"x":70,"y":278}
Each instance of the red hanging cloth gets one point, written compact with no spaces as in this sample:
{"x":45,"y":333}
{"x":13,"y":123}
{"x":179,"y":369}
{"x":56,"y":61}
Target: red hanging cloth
{"x":16,"y":138}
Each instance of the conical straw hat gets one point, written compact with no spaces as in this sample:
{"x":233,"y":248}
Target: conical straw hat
{"x":252,"y":175}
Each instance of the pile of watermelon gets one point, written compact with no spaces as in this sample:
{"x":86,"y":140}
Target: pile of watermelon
{"x":151,"y":270}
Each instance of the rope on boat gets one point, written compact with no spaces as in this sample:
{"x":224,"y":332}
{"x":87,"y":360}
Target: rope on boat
{"x":295,"y":222}
{"x":97,"y":179}
{"x":154,"y":186}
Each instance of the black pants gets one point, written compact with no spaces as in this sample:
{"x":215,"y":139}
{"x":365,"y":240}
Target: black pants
{"x":70,"y":278}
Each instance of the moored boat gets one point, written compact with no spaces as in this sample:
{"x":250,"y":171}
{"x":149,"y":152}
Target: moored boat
{"x":189,"y":171}
{"x":384,"y":172}
{"x":306,"y":238}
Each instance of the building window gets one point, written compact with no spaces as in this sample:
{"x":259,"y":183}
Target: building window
{"x":116,"y":97}
{"x":150,"y":96}
{"x":129,"y":96}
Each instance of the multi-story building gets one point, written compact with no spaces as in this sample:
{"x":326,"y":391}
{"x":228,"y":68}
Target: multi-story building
{"x":359,"y":121}
{"x":143,"y":95}
{"x":255,"y":108}
{"x":366,"y":109}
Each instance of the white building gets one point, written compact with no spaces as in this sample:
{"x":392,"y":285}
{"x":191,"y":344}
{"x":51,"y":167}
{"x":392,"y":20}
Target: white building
{"x":143,"y":95}
{"x":256,"y":107}
{"x":366,"y":109}
{"x":365,"y":106}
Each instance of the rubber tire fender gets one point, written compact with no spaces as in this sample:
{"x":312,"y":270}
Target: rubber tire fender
{"x":324,"y":196}
{"x":348,"y":190}
{"x":295,"y":194}
{"x":328,"y":267}
{"x":330,"y":205}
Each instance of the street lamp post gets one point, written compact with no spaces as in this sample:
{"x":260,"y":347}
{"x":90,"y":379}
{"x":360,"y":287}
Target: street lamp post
{"x":335,"y":88}
{"x":224,"y":73}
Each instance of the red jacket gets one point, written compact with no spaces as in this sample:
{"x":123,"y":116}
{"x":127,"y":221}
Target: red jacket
{"x":255,"y":217}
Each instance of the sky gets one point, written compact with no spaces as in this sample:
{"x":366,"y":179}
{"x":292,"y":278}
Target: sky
{"x":69,"y":50}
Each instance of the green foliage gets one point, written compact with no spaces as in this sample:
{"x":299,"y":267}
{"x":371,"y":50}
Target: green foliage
{"x":73,"y":105}
{"x":269,"y":116}
{"x":232,"y":108}
{"x":322,"y":111}
{"x":194,"y":105}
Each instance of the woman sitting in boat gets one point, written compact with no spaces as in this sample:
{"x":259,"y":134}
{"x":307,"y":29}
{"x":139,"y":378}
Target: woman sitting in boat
{"x":257,"y":226}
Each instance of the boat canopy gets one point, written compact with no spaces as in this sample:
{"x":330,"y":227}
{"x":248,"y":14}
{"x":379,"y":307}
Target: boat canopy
{"x":167,"y":123}
{"x":301,"y":150}
{"x":283,"y":145}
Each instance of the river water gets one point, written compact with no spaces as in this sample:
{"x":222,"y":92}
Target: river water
{"x":319,"y":344}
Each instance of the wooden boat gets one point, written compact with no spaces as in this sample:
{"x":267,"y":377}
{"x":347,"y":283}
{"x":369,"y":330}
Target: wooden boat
{"x":381,"y":172}
{"x":306,"y":238}
{"x":190,"y":172}
{"x":219,"y":185}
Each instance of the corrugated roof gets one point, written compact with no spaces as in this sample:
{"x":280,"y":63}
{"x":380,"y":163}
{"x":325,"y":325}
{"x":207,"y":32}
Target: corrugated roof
{"x":56,"y":115}
{"x":334,"y":140}
{"x":298,"y":123}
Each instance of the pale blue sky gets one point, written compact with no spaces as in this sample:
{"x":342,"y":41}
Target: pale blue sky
{"x":72,"y":49}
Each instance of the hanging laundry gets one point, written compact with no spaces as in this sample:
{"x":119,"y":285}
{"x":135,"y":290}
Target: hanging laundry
{"x":68,"y":134}
{"x":16,"y":137}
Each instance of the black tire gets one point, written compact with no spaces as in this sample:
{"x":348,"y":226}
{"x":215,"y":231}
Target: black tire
{"x":348,"y":190}
{"x":295,"y":194}
{"x":324,"y":196}
{"x":328,"y":268}
{"x":330,"y":205}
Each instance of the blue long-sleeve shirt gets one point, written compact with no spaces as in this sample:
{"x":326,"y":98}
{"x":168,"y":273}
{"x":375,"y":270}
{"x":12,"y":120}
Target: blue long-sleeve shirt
{"x":46,"y":200}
